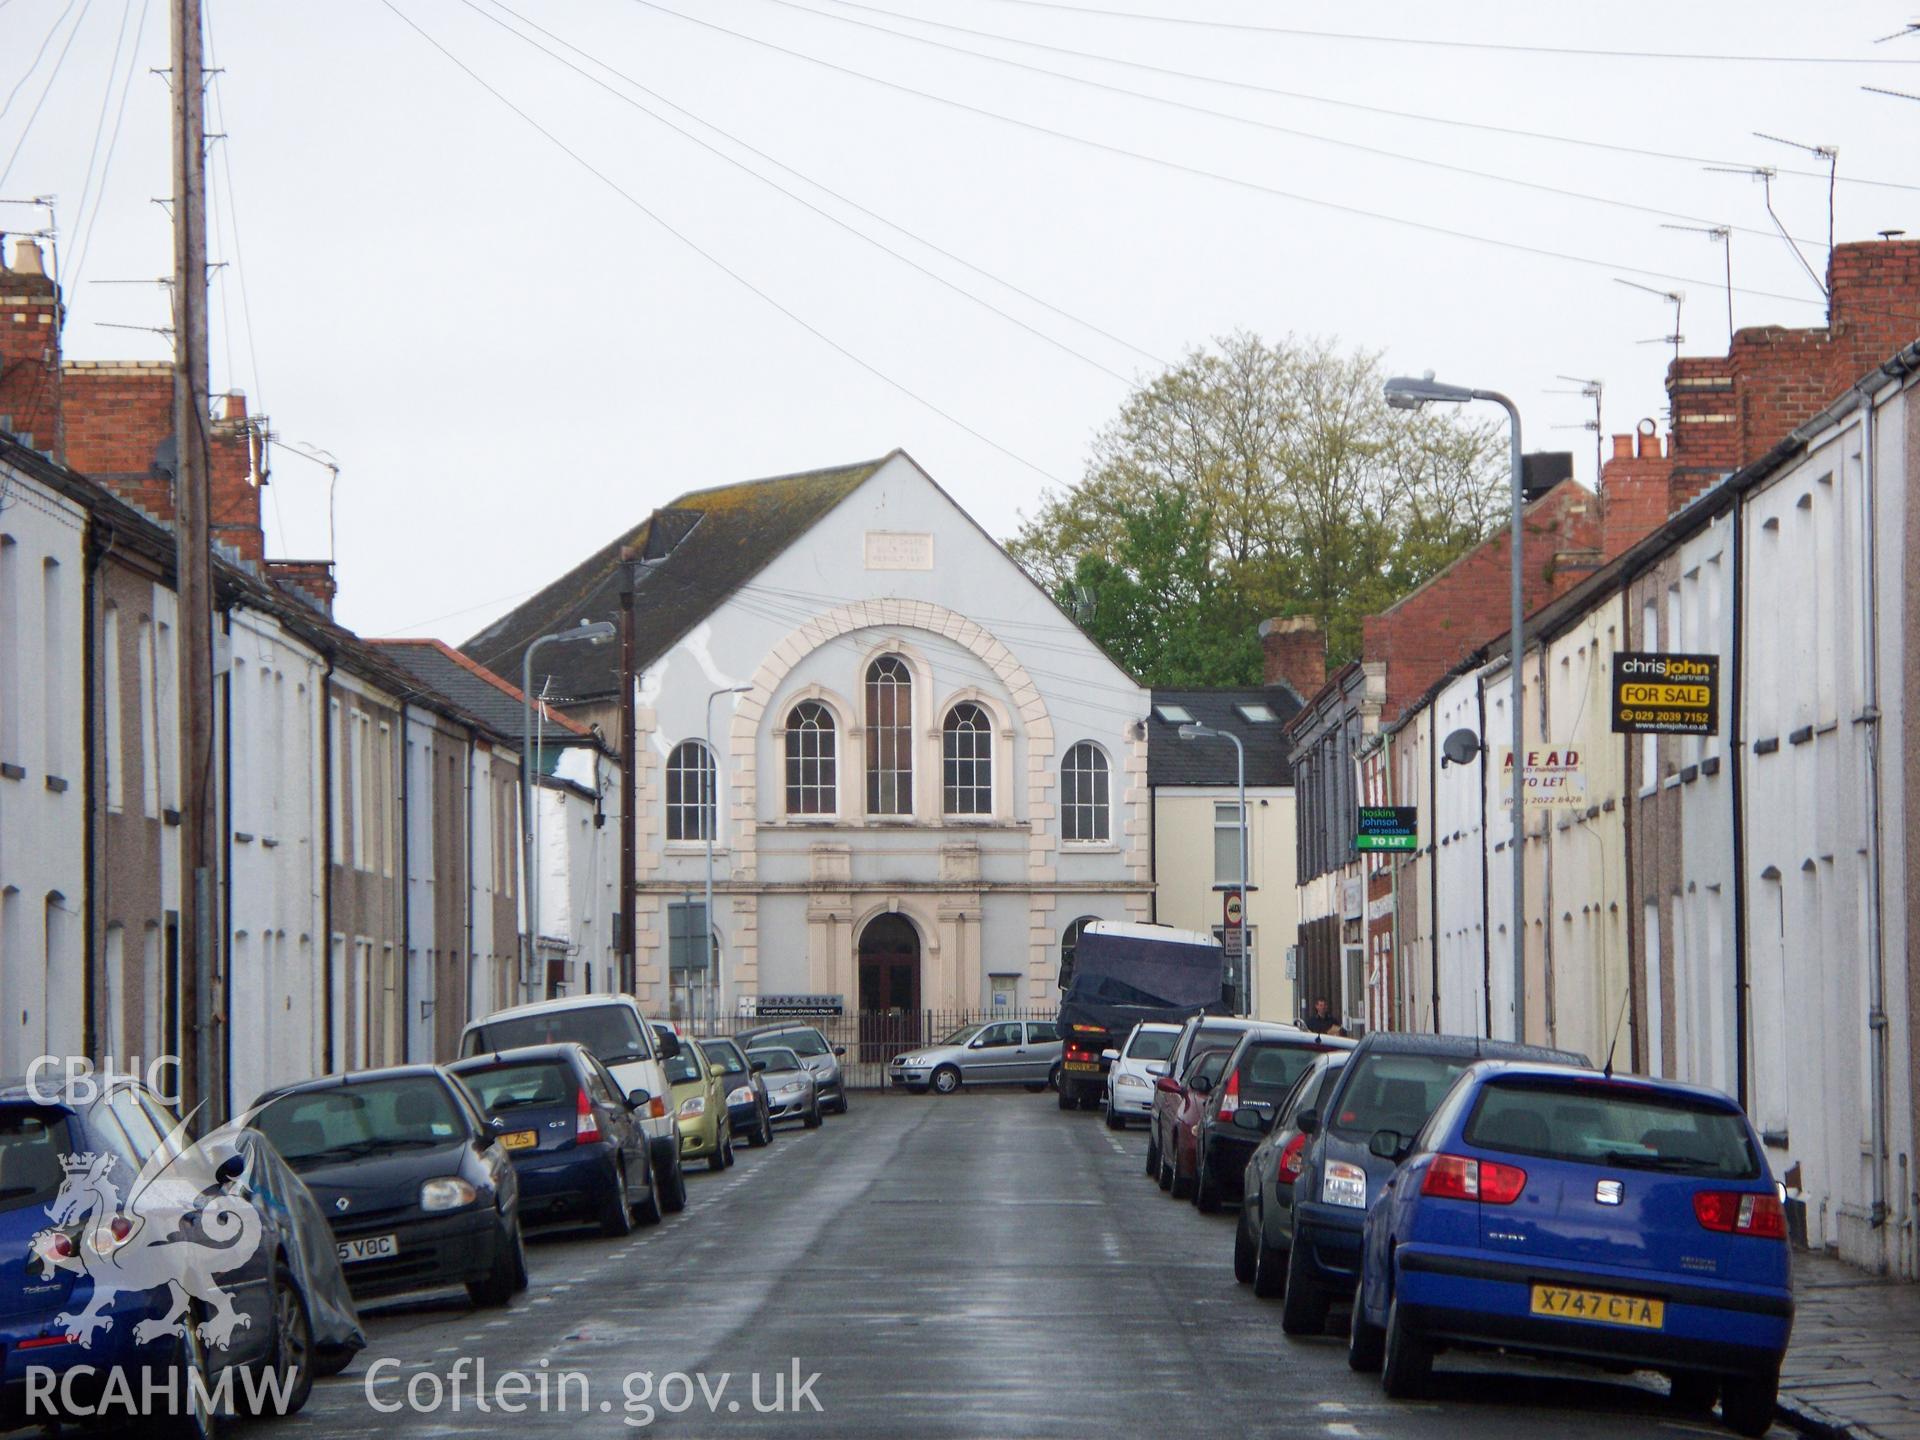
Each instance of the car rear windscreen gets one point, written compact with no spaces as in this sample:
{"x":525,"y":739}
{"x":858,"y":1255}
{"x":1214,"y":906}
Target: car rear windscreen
{"x":777,"y":1057}
{"x":1394,"y":1092}
{"x":1215,"y":1037}
{"x":723,"y":1056}
{"x":610,"y":1031}
{"x":347,"y":1122}
{"x":803,"y":1042}
{"x":682,"y":1069}
{"x":1614,"y":1126}
{"x":522,"y":1087}
{"x":1153,"y":1044}
{"x":1270,"y":1070}
{"x":32,"y":1142}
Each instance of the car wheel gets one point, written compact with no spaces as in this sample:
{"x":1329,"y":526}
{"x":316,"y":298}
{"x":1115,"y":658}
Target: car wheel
{"x":1115,"y":1120}
{"x":617,"y":1220}
{"x":1153,"y":1148}
{"x":946,"y":1080}
{"x":721,"y":1157}
{"x":1748,"y":1402}
{"x":672,"y":1185}
{"x":189,"y":1422}
{"x":840,"y":1100}
{"x":1165,"y":1176}
{"x":289,"y":1367}
{"x":1304,"y":1311}
{"x":1067,"y":1100}
{"x":1182,"y":1186}
{"x":1270,"y":1265}
{"x":647,"y":1212}
{"x":1206,"y":1188}
{"x":1692,"y":1392}
{"x":766,"y":1128}
{"x":814,"y":1117}
{"x":1366,"y":1342}
{"x":1406,"y":1361}
{"x":520,"y":1276}
{"x":497,"y":1288}
{"x":1243,"y":1251}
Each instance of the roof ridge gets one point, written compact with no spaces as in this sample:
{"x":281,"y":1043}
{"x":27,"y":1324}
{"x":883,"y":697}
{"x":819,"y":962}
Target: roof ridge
{"x":817,"y":472}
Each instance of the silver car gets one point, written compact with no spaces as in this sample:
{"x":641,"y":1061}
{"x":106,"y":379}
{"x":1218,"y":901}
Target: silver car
{"x":791,"y":1092}
{"x":998,"y":1052}
{"x":816,"y":1052}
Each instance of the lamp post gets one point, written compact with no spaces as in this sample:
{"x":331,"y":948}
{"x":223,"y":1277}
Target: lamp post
{"x":1207,"y":732}
{"x":1407,"y":393}
{"x":710,"y":822}
{"x":597,"y":632}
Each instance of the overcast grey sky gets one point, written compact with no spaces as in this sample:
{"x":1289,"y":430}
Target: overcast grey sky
{"x":512,"y":361}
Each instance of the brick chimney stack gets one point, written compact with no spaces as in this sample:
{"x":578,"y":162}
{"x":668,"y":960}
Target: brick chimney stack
{"x":30,"y":349}
{"x":1296,"y":654}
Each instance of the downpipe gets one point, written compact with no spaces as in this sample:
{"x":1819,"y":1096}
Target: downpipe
{"x":1870,"y":717}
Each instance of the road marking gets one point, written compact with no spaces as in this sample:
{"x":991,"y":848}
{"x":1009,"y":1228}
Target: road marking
{"x":1342,"y":1427}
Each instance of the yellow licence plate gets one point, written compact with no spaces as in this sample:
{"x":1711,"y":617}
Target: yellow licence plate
{"x":1599,"y":1306}
{"x":1093,"y":1065}
{"x":520,"y":1140}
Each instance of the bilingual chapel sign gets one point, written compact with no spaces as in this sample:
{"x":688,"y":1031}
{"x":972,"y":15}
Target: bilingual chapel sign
{"x":898,"y":550}
{"x":1656,"y":694}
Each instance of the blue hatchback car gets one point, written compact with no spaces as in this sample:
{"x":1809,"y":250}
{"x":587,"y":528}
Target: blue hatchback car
{"x":1562,"y":1212}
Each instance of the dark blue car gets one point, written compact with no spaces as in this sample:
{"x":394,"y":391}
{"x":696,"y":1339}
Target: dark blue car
{"x":580,"y":1152}
{"x":747,"y":1106}
{"x":1566,"y":1213}
{"x":1392,"y":1081}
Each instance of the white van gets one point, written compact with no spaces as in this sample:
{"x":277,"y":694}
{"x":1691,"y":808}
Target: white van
{"x":616,"y":1031}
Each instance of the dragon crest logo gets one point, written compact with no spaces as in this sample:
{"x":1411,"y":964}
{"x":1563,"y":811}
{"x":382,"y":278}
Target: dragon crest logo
{"x":182,"y":1221}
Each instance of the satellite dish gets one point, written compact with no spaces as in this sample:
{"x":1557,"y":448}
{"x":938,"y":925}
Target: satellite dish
{"x":1462,"y":747}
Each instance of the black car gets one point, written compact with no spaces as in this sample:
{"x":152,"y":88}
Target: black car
{"x":747,"y":1105}
{"x":419,"y":1190}
{"x":1391,"y":1082}
{"x":579,"y":1151}
{"x":1260,"y":1071}
{"x":1266,"y":1185}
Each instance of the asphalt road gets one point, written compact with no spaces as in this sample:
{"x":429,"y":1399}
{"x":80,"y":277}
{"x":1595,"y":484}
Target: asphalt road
{"x":983,"y":1265}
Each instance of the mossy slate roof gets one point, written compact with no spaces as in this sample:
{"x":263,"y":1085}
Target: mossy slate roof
{"x":735,"y":532}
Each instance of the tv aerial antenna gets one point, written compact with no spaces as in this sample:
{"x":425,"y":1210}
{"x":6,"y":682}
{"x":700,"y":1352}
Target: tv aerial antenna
{"x":1720,"y":235}
{"x":1675,"y":298}
{"x":1591,"y":390}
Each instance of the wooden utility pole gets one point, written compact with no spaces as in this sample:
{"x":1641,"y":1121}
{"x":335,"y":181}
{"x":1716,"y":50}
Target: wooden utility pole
{"x":199,"y":983}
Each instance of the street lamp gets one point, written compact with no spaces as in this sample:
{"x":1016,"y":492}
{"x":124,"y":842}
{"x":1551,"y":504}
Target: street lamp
{"x":1406,"y":393}
{"x":597,"y":632}
{"x":1207,"y":732}
{"x":710,"y":822}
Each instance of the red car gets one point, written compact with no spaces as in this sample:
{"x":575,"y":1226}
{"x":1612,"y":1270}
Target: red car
{"x":1178,"y":1106}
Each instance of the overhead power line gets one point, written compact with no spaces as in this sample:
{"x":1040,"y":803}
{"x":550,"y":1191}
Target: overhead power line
{"x":1438,"y":43}
{"x":712,"y":259}
{"x":52,"y":76}
{"x":1318,"y":202}
{"x":84,"y":223}
{"x":1313,"y":137}
{"x":712,"y":149}
{"x":1360,"y":106}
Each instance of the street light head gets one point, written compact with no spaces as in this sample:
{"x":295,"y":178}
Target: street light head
{"x":1197,"y":732}
{"x":1405,"y":392}
{"x":594,"y":632}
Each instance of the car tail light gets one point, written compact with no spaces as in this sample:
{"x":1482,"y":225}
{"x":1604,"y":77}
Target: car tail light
{"x":1292,"y":1157}
{"x":587,"y":1124}
{"x":1460,"y":1177}
{"x":1230,"y":1097}
{"x":1735,"y":1212}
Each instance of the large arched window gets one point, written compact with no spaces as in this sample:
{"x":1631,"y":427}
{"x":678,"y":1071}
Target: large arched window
{"x":966,"y":754}
{"x":1085,"y":810}
{"x":812,"y":771}
{"x":889,"y":737}
{"x":1070,"y":946}
{"x":690,"y":792}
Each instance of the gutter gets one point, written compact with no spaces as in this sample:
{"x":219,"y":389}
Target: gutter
{"x":1486,"y":914}
{"x":327,"y":761}
{"x":90,"y":951}
{"x":224,"y":950}
{"x":406,"y":898}
{"x":1870,"y":717}
{"x":1736,"y":777}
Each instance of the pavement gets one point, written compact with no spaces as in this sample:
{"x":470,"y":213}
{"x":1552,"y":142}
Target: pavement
{"x":1854,"y":1366}
{"x":979,"y":1265}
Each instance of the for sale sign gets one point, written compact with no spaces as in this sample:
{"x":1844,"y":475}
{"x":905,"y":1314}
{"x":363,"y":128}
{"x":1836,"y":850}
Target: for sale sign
{"x":1665,"y":694}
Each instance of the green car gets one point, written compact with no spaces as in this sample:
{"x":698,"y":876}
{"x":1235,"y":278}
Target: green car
{"x":700,"y":1108}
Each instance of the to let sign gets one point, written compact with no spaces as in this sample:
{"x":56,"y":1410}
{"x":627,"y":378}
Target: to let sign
{"x":1665,"y":694}
{"x":1388,"y":827}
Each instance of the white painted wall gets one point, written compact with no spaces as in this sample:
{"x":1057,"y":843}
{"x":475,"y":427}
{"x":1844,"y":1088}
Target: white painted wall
{"x":1459,"y":794}
{"x":42,"y":864}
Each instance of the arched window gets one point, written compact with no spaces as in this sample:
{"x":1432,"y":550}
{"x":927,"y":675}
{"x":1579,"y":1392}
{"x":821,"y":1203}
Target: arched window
{"x":1070,"y":945}
{"x":889,"y":737}
{"x":812,"y":771}
{"x":690,"y":792}
{"x":966,"y":752}
{"x":1084,"y":805}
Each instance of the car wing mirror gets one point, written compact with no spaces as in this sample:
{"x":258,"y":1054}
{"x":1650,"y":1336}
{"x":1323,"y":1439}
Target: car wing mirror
{"x":1167,"y":1085}
{"x":839,"y":1049}
{"x":638,"y":1099}
{"x":1389,"y":1145}
{"x":1109,"y":1055}
{"x":757,"y":1066}
{"x":1307,"y":1122}
{"x":666,"y":1044}
{"x":1158,"y":1067}
{"x":1247,"y":1119}
{"x":1201,"y":1085}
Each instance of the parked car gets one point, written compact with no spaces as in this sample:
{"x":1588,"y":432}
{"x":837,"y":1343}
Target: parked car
{"x":1139,"y":1060}
{"x":998,"y":1052}
{"x":1392,"y":1082}
{"x":572,"y":1135}
{"x":1267,"y":1184}
{"x":1177,"y":1104}
{"x":820,"y":1056}
{"x":615,"y":1030}
{"x":791,"y":1091}
{"x":700,"y":1108}
{"x":1566,"y":1213}
{"x":419,"y":1190}
{"x":1201,"y":1032}
{"x":89,"y":1172}
{"x":1259,"y":1072}
{"x":746,"y":1092}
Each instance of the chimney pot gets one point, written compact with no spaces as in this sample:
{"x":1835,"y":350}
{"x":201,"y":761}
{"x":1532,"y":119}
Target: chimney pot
{"x":1623,"y":447}
{"x":27,"y":259}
